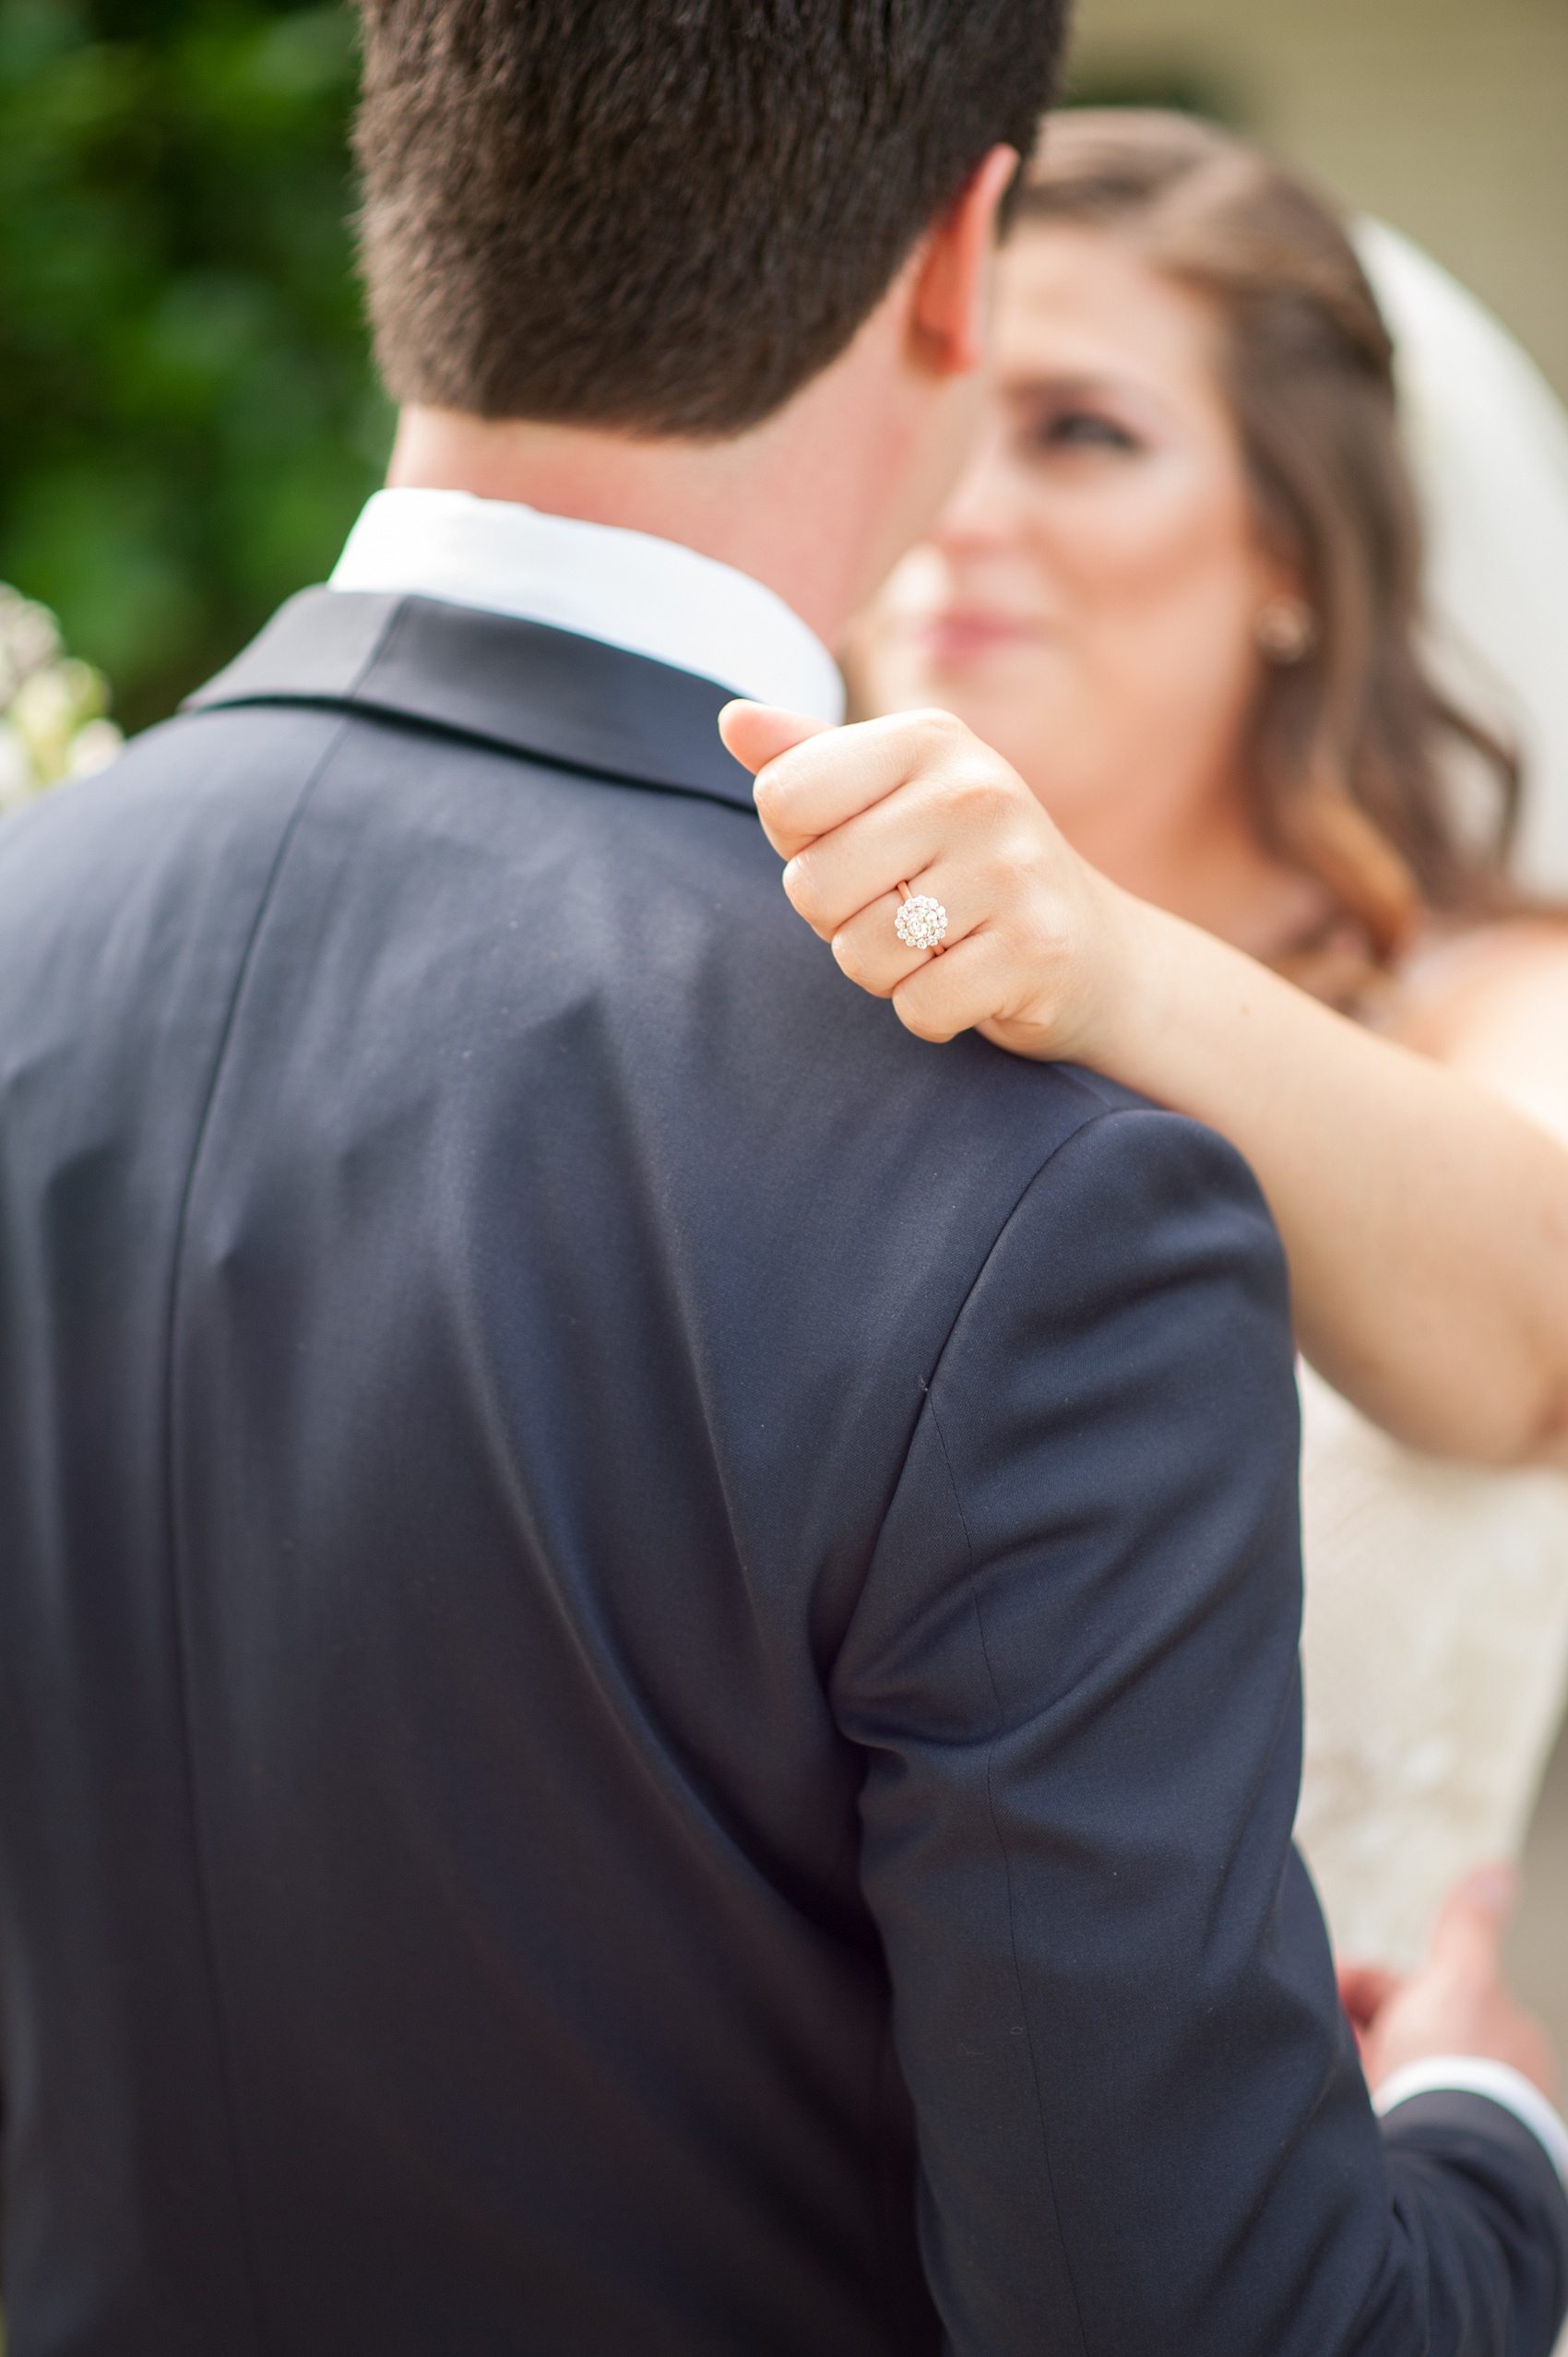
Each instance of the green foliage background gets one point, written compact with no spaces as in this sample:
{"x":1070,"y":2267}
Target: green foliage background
{"x":188,"y":420}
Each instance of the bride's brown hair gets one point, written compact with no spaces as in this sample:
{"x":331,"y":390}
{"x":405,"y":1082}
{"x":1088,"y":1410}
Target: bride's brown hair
{"x":1350,"y":742}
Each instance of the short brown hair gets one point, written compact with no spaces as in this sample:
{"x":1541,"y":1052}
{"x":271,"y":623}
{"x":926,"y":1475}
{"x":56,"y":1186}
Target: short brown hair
{"x":664,"y":216}
{"x":1348,"y":766}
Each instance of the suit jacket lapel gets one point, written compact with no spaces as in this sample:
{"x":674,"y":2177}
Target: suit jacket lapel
{"x":488,"y":677}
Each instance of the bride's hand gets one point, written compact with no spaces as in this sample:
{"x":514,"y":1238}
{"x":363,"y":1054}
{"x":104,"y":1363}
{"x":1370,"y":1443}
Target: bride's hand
{"x":1035,"y":953}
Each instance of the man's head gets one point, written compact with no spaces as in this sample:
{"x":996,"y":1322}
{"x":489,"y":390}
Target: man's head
{"x":665,"y":217}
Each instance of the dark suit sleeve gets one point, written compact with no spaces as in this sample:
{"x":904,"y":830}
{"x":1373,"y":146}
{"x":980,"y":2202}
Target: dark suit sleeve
{"x":1074,"y":1674}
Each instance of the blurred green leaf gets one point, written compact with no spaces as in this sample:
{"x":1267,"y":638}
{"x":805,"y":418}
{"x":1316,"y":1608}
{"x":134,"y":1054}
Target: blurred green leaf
{"x":188,"y":419}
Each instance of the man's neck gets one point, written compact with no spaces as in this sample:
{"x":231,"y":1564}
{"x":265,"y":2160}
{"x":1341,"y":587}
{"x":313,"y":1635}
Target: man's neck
{"x":726,"y":500}
{"x":707,"y":498}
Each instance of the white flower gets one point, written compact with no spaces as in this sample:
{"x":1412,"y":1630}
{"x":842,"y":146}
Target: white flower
{"x":29,"y":639}
{"x":49,"y":709}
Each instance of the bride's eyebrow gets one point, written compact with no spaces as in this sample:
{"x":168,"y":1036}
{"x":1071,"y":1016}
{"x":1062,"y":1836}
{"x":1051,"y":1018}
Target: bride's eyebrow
{"x":1075,"y":385}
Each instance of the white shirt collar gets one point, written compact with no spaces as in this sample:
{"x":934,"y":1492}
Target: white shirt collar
{"x":649,"y":596}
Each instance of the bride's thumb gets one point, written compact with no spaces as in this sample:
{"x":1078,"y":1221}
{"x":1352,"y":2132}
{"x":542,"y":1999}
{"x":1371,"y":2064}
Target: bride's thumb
{"x":758,"y":734}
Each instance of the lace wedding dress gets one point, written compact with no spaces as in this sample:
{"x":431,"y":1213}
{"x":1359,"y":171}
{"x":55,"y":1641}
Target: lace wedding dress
{"x":1435,"y":1649}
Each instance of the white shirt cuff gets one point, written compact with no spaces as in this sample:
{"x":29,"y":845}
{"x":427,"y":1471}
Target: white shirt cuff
{"x":1472,"y":2074}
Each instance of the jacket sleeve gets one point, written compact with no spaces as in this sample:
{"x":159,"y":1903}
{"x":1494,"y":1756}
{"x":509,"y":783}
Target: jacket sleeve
{"x":1073,"y":1671}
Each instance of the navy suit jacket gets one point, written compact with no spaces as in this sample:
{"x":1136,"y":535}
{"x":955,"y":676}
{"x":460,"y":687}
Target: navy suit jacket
{"x":648,"y":1692}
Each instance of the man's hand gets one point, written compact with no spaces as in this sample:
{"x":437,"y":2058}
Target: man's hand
{"x":1036,"y":951}
{"x":1459,"y":2002}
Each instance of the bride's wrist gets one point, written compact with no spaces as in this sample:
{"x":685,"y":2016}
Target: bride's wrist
{"x":1124,"y":986}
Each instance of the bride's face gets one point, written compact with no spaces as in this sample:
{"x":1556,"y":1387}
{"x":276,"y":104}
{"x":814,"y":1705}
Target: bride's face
{"x":1089,"y":602}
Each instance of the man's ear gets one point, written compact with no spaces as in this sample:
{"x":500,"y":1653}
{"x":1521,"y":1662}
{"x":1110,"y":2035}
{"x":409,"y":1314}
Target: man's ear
{"x":949,"y":312}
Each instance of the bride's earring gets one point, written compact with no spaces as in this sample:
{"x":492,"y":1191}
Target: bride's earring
{"x":1285,"y":630}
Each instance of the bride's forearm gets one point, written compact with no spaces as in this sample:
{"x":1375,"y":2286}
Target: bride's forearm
{"x":1425,"y":1221}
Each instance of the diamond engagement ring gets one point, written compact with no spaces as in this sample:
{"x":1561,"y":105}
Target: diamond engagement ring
{"x":921,"y":922}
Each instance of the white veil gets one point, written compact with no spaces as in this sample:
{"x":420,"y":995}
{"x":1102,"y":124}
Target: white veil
{"x":1488,"y":441}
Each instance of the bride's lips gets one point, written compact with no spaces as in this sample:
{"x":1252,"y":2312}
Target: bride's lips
{"x":959,"y":635}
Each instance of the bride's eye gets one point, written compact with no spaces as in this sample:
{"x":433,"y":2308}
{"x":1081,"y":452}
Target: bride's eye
{"x":1082,"y":430}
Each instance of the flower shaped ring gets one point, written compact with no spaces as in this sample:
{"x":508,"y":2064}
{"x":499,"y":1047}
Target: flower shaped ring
{"x":921,"y":922}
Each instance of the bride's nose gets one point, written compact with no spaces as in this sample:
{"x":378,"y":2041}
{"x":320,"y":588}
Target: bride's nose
{"x":982,"y":512}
